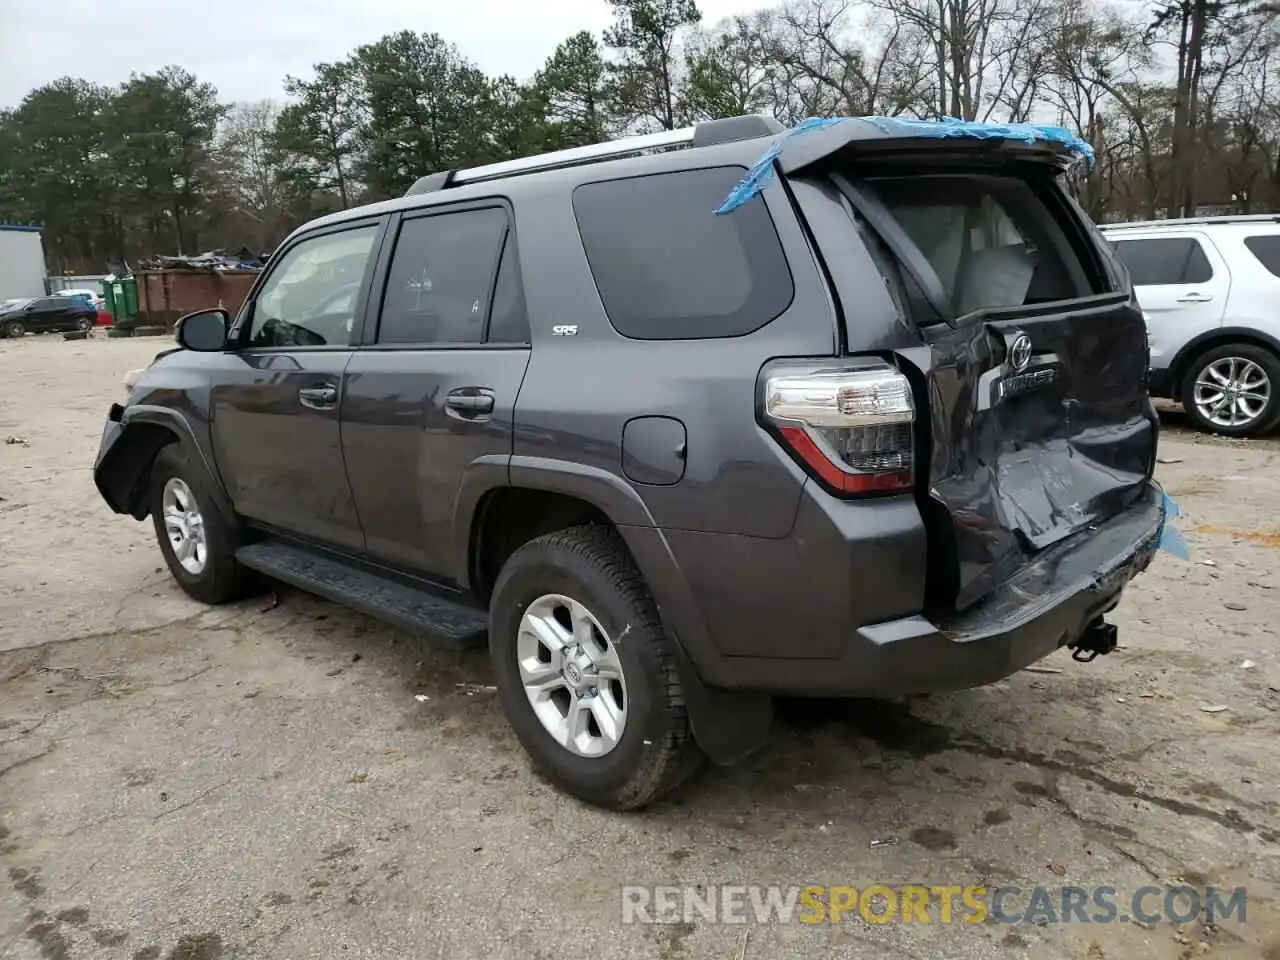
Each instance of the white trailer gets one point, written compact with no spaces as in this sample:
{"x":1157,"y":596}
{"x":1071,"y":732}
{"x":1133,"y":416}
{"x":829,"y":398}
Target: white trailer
{"x":22,"y":269}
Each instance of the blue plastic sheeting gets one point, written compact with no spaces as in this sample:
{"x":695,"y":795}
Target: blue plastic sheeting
{"x":763,"y":170}
{"x":1170,"y":539}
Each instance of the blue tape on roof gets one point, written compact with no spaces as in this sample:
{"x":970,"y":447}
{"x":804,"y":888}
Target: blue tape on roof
{"x":763,"y":170}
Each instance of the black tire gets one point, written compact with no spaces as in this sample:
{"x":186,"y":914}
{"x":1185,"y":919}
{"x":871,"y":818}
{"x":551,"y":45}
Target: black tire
{"x":84,"y":324}
{"x":222,"y":579}
{"x":1270,"y":413}
{"x":656,"y":750}
{"x":14,"y":329}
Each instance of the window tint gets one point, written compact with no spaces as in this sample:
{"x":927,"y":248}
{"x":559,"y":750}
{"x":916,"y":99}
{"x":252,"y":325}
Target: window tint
{"x":1267,"y":250}
{"x":667,"y":267}
{"x":441,"y":277}
{"x":309,"y":299}
{"x":992,"y":241}
{"x":509,"y":322}
{"x":1165,"y":260}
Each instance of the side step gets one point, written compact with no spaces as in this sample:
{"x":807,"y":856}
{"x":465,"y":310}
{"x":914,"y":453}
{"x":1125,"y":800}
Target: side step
{"x":452,"y":624}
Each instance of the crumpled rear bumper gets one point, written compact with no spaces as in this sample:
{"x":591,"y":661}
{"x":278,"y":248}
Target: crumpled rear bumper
{"x":1048,"y":604}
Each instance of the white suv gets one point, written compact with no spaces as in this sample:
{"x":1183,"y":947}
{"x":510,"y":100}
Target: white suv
{"x":1210,"y":287}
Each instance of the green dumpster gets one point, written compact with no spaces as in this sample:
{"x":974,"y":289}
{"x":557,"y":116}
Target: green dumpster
{"x":121,"y":296}
{"x":109,"y":295}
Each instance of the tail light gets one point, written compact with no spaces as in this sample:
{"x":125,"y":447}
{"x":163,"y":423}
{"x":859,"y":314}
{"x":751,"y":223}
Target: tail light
{"x":853,"y":428}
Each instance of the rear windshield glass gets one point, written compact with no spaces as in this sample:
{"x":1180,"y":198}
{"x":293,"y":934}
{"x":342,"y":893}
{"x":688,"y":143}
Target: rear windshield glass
{"x":993,"y":241}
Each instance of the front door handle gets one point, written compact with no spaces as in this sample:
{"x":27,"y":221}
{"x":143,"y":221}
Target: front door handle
{"x":322,"y":397}
{"x":469,"y":403}
{"x":1195,"y":298}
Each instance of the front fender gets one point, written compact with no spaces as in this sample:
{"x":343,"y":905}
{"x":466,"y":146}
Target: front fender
{"x":130,"y":441}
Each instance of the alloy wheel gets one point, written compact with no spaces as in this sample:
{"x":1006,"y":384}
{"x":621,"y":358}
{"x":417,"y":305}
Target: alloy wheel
{"x":184,"y":526}
{"x":1232,"y":391}
{"x":572,"y":675}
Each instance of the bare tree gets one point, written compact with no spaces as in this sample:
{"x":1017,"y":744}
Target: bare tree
{"x":248,"y":172}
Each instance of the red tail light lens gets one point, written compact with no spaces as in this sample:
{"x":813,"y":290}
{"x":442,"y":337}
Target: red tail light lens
{"x":852,"y":427}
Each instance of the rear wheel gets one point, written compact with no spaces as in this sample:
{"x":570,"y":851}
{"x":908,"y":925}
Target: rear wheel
{"x":84,"y":324}
{"x":198,"y":544}
{"x":14,"y":329}
{"x":586,"y":672}
{"x":1233,"y":390}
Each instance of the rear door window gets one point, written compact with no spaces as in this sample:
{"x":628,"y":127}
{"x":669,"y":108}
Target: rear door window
{"x":442,"y":278}
{"x":1161,"y":261}
{"x":668,"y":268}
{"x":1267,"y":250}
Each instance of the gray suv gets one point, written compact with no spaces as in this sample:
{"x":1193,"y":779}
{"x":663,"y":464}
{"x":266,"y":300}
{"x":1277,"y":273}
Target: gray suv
{"x":878,"y":426}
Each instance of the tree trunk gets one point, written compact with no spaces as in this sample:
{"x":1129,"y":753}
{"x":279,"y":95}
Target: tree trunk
{"x":1180,"y":107}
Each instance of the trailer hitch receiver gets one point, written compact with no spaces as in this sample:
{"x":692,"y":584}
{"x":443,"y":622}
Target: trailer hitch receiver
{"x":1098,"y":637}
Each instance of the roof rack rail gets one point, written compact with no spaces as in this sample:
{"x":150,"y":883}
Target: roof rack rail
{"x":1188,"y":221}
{"x":706,"y":134}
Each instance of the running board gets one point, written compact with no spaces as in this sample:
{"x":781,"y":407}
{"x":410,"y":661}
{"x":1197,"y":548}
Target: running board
{"x":451,"y":623}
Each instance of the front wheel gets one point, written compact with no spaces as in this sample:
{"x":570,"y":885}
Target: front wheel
{"x":197,"y":542}
{"x":1233,"y":390}
{"x":586,"y":671}
{"x":13,"y":329}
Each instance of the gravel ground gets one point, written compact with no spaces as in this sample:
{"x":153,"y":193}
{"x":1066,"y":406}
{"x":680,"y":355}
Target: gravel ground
{"x":291,"y":780}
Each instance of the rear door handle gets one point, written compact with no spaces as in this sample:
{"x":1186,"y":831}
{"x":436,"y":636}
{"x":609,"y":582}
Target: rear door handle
{"x":469,"y":403}
{"x":1195,"y":298}
{"x":322,"y":397}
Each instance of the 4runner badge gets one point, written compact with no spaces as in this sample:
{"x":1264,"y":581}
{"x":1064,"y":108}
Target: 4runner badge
{"x":1017,"y":375}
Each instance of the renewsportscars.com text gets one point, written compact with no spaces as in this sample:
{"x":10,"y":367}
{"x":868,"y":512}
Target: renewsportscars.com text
{"x":930,"y":904}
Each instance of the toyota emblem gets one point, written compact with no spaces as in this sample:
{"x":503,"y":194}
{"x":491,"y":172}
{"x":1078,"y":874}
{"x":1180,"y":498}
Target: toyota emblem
{"x":1020,"y":352}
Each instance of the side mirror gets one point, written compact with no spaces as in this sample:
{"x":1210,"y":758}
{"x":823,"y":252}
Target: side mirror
{"x":204,"y":330}
{"x":28,"y":308}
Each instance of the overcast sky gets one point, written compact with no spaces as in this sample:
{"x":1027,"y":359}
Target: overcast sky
{"x":245,"y":48}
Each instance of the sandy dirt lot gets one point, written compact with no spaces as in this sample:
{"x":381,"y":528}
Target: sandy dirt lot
{"x":186,"y":783}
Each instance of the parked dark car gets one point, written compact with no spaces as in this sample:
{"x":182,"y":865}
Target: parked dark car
{"x":46,"y":315}
{"x":882,"y":429}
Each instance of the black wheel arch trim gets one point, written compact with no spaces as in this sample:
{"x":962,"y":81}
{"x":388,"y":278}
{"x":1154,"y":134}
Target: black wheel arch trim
{"x":1205,"y":341}
{"x":123,"y":467}
{"x":727,"y":725}
{"x":605,"y":491}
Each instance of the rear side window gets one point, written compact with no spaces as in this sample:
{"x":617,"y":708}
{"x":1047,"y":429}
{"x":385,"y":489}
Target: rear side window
{"x":668,"y":268}
{"x":1267,"y":250}
{"x":1164,"y":260}
{"x":442,"y":277}
{"x":993,"y":241}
